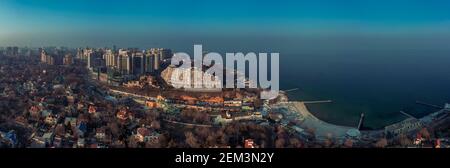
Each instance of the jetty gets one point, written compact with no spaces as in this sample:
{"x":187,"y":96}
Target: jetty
{"x":408,"y":115}
{"x":361,"y":121}
{"x":429,"y":105}
{"x":318,"y":101}
{"x":291,"y":90}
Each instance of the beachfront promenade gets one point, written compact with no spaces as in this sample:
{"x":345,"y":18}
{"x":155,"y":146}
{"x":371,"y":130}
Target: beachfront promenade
{"x":322,"y":129}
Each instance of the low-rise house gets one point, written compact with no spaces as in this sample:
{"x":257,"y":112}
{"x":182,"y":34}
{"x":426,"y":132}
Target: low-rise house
{"x":153,"y":137}
{"x":46,"y":113}
{"x":70,"y":121}
{"x":37,"y":142}
{"x":258,"y":115}
{"x":21,"y":121}
{"x":50,"y":120}
{"x":92,"y":109}
{"x":418,"y":141}
{"x":124,"y":115}
{"x":142,"y":134}
{"x":69,"y":109}
{"x":10,"y":137}
{"x":81,"y":142}
{"x":57,"y":142}
{"x":100,"y":134}
{"x":131,"y":84}
{"x":82,"y":127}
{"x":232,"y":103}
{"x":35,"y":111}
{"x":248,"y":143}
{"x":248,"y":108}
{"x":70,"y":99}
{"x":151,"y":104}
{"x":48,"y":138}
{"x":221,"y":120}
{"x":80,"y":106}
{"x":94,"y":145}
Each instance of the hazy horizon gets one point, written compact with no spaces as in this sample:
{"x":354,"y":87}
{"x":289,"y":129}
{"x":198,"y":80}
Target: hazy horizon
{"x":232,"y":25}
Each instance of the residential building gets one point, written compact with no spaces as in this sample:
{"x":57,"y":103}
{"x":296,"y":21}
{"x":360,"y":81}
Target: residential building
{"x":142,"y":134}
{"x":68,"y":59}
{"x":149,"y":65}
{"x":138,"y":63}
{"x":249,"y":143}
{"x":12,"y":51}
{"x":124,"y":62}
{"x":110,"y":58}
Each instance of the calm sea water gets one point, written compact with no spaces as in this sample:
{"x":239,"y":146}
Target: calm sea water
{"x":378,"y":76}
{"x":377,"y":83}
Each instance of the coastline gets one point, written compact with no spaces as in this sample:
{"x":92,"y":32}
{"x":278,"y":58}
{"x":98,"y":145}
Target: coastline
{"x":322,"y":129}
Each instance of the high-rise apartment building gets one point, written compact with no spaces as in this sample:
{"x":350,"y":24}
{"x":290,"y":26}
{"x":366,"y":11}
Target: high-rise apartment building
{"x":110,"y":58}
{"x":149,"y":65}
{"x":68,"y":59}
{"x":124,"y":62}
{"x":94,"y":58}
{"x":165,"y":53}
{"x":12,"y":51}
{"x":138,"y":63}
{"x":157,"y":58}
{"x":54,"y":58}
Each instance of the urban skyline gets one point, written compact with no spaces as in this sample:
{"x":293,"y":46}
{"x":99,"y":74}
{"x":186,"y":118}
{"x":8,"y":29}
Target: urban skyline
{"x":357,"y":74}
{"x":204,"y":80}
{"x":180,"y":24}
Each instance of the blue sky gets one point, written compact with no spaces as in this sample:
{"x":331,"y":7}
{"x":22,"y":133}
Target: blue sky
{"x":138,"y":22}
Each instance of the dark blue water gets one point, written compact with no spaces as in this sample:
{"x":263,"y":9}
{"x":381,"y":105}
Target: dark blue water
{"x":378,"y":75}
{"x":378,"y":83}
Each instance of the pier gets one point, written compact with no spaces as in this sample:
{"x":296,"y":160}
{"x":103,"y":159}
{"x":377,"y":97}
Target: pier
{"x":290,"y":90}
{"x":318,"y":101}
{"x":408,"y":115}
{"x":430,"y":105}
{"x":361,"y":121}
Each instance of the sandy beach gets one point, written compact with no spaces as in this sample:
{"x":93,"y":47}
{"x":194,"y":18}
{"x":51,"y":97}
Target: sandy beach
{"x":321,"y":129}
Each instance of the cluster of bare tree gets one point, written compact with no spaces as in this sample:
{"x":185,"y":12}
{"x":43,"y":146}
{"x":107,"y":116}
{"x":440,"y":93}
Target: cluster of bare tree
{"x":284,"y":140}
{"x":231,"y":135}
{"x":195,"y":116}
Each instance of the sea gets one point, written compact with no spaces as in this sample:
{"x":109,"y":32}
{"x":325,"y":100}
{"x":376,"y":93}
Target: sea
{"x":378,"y":83}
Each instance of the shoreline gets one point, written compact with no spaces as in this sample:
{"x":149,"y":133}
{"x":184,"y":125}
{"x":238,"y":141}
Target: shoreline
{"x":322,"y":129}
{"x":382,"y":126}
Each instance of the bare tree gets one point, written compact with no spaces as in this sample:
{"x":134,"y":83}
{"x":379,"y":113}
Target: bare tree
{"x":280,"y":142}
{"x":115,"y":130}
{"x":211,"y":140}
{"x":424,"y":132}
{"x":403,"y":140}
{"x":132,"y":142}
{"x":155,"y":124}
{"x":60,"y":130}
{"x":191,"y":140}
{"x":348,"y":143}
{"x":295,"y":143}
{"x":381,"y":143}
